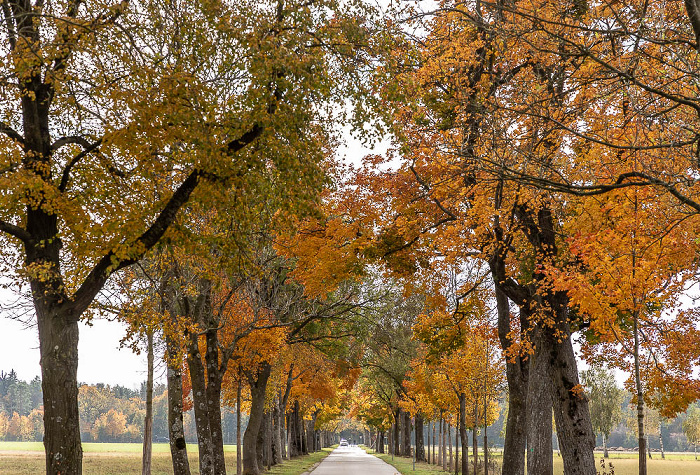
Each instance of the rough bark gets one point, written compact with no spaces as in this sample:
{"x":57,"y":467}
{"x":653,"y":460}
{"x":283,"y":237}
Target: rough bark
{"x":420,"y":438}
{"x":201,"y":412}
{"x":176,"y":428}
{"x":539,"y":419}
{"x":571,"y":413}
{"x":517,"y":374}
{"x":406,"y":433}
{"x":148,"y":419}
{"x":258,"y":385}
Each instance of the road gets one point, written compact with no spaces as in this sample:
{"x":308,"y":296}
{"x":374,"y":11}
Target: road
{"x":353,"y":461}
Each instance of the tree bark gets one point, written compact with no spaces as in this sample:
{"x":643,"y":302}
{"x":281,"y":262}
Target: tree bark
{"x":148,"y":420}
{"x":463,"y":433}
{"x":258,"y":385}
{"x":59,"y":370}
{"x":406,"y":430}
{"x":420,"y":438}
{"x":176,"y":428}
{"x":276,"y":433}
{"x":517,"y":373}
{"x":201,"y":410}
{"x":239,"y":455}
{"x":539,"y":405}
{"x":570,"y":404}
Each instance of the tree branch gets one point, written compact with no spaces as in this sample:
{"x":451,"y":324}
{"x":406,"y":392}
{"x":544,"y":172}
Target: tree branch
{"x":10,"y":132}
{"x":16,"y":231}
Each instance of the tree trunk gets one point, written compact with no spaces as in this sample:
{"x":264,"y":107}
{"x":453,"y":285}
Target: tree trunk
{"x":570,"y":404}
{"x":439,"y":441}
{"x":406,"y":430}
{"x":457,"y":442}
{"x":176,"y":428}
{"x":58,"y":342}
{"x":443,"y":443}
{"x":605,"y":446}
{"x":258,"y":385}
{"x":148,"y":420}
{"x":539,"y":410}
{"x":201,"y":412}
{"x":397,"y":433}
{"x":661,"y":444}
{"x":239,"y":455}
{"x":475,"y":447}
{"x":463,"y":433}
{"x":517,"y":372}
{"x":420,"y":438}
{"x":213,"y":395}
{"x":449,"y":443}
{"x":276,"y":433}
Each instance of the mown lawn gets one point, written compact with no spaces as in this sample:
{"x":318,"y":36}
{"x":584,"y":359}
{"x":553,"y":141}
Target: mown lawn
{"x":623,"y":463}
{"x":27,"y":458}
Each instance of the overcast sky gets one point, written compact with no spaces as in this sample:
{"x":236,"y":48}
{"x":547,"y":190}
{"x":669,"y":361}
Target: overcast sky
{"x":101,"y":360}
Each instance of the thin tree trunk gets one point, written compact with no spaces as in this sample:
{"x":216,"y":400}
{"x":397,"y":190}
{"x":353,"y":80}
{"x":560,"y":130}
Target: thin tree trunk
{"x":449,"y":444}
{"x":475,"y":448}
{"x":148,"y":420}
{"x":640,"y":399}
{"x":605,"y":446}
{"x":239,"y":455}
{"x":439,"y":441}
{"x":463,"y":433}
{"x":443,"y":444}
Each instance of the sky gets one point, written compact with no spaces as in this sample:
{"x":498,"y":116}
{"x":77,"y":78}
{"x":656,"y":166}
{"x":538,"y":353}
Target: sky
{"x":100,"y":359}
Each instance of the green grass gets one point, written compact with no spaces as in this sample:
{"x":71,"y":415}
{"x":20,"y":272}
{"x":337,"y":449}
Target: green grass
{"x":405,"y":464}
{"x":624,"y":464}
{"x":300,"y":464}
{"x":27,"y":458}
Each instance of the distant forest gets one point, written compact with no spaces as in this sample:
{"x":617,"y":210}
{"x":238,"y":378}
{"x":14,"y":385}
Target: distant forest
{"x":107,"y":413}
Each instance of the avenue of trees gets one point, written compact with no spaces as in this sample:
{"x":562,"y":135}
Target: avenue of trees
{"x":173,"y":164}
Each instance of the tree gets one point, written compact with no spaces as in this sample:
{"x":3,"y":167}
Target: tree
{"x":691,"y":427}
{"x":125,"y":113}
{"x":606,"y":401}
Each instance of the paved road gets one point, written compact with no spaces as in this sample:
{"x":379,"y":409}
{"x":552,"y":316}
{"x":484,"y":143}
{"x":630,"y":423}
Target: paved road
{"x":353,"y":461}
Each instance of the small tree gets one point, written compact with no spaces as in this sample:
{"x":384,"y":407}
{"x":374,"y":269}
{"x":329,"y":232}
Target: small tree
{"x":605,"y":401}
{"x":691,"y":428}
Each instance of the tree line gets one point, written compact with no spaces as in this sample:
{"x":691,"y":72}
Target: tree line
{"x":172,"y":164}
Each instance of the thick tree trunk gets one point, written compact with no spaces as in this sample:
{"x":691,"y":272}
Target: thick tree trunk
{"x":539,"y":418}
{"x":420,"y":439}
{"x":58,"y":339}
{"x":397,"y":433}
{"x":406,"y":431}
{"x":463,"y":433}
{"x":213,"y":396}
{"x":176,"y":428}
{"x":571,"y":413}
{"x":258,"y":385}
{"x":517,"y":372}
{"x":201,"y":410}
{"x":148,"y":420}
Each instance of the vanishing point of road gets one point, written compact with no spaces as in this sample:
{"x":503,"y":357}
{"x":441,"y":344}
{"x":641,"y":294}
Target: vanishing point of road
{"x":353,"y":461}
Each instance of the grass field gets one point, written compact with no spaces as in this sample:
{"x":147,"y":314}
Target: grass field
{"x":623,"y":463}
{"x":27,"y":458}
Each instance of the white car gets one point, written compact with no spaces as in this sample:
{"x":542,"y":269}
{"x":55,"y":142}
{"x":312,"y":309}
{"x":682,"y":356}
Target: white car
{"x":343,"y":443}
